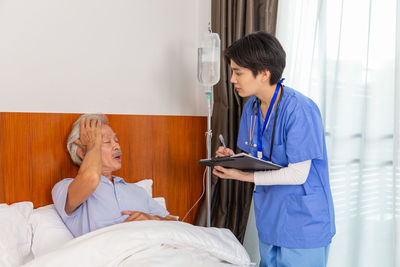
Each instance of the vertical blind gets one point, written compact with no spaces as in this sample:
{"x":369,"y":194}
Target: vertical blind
{"x":342,"y":55}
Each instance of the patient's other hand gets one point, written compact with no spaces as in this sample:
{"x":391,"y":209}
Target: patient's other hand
{"x":138,"y":216}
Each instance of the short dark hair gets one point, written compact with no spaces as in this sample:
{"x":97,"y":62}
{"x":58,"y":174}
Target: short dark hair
{"x":258,"y":51}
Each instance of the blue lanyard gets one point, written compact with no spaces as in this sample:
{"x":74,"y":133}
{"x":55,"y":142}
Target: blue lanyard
{"x":261,"y":132}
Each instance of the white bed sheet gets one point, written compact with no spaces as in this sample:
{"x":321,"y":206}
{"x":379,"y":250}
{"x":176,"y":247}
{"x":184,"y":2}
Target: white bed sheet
{"x":149,"y":243}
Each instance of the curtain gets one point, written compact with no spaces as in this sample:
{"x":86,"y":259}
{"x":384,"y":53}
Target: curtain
{"x":347,"y":60}
{"x":232,"y":19}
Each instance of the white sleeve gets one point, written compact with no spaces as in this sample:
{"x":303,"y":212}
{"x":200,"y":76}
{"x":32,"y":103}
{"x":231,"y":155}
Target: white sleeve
{"x":294,"y":174}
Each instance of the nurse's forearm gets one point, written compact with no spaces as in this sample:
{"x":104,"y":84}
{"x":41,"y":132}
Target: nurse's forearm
{"x":294,"y":174}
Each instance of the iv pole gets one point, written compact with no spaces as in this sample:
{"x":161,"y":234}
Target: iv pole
{"x":209,"y":137}
{"x":209,"y":77}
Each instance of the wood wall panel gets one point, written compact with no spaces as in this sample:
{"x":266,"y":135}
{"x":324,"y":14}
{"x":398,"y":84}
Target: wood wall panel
{"x":33,"y":155}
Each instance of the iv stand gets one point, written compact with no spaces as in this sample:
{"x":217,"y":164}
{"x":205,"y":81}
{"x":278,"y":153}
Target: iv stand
{"x":209,"y":136}
{"x":216,"y":43}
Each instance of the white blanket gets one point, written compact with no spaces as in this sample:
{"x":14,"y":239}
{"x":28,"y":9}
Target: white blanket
{"x":149,"y":243}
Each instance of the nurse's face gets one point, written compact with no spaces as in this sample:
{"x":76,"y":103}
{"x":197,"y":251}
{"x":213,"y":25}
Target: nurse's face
{"x":244,"y":81}
{"x":110,"y":150}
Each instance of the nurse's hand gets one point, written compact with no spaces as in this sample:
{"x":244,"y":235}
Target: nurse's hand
{"x":223,"y":152}
{"x":234,"y":174}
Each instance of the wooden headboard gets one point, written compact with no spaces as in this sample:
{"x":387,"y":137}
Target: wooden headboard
{"x":33,"y":155}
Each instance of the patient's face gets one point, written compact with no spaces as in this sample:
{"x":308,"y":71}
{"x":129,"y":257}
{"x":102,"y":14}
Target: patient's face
{"x":110,"y":150}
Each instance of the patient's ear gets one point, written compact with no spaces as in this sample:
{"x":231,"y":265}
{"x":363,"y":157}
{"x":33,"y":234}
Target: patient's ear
{"x":79,"y":151}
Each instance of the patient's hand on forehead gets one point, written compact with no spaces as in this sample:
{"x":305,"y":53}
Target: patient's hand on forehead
{"x":90,"y":134}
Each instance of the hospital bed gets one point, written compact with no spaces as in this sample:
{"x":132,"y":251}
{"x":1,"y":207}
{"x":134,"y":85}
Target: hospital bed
{"x":160,"y":153}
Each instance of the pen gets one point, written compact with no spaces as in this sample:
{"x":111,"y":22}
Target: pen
{"x":221,"y":138}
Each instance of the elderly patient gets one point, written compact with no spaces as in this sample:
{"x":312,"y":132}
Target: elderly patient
{"x":95,"y":198}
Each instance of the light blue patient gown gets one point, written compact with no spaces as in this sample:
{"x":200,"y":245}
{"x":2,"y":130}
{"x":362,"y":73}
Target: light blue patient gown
{"x":292,"y":216}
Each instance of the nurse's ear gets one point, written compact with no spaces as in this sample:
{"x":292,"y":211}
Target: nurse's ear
{"x":265,"y":75}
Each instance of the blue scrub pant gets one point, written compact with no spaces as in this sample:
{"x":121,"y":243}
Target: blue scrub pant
{"x":273,"y":256}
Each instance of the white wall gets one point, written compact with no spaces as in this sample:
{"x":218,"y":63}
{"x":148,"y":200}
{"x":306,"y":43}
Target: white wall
{"x":111,"y":56}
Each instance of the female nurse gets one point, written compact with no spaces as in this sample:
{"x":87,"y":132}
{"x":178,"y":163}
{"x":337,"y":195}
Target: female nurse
{"x":293,"y":205}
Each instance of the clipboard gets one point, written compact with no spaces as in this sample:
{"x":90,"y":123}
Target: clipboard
{"x":241,"y":161}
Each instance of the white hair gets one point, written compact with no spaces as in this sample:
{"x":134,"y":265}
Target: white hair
{"x":75,"y":135}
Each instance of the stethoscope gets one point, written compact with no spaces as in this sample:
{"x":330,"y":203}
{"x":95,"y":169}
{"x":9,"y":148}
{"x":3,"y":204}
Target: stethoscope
{"x":254,"y":118}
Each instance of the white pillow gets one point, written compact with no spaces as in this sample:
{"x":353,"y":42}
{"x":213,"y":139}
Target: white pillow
{"x":49,"y":231}
{"x":15,"y":233}
{"x":161,"y":201}
{"x":147,"y":184}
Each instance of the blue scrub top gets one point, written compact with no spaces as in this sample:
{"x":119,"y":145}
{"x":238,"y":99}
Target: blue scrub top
{"x":292,"y":216}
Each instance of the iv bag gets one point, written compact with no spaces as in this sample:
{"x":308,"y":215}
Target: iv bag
{"x":208,"y":60}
